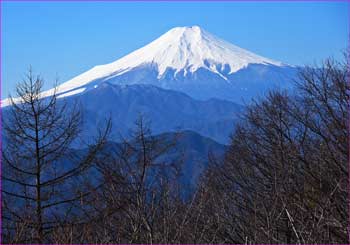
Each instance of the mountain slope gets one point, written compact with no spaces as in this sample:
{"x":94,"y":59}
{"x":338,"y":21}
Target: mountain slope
{"x":166,"y":110}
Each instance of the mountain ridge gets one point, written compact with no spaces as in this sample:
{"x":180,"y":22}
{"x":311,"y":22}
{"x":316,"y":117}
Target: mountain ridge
{"x":167,"y":110}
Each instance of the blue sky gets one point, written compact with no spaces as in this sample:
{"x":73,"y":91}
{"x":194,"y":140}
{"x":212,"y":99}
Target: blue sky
{"x":64,"y":39}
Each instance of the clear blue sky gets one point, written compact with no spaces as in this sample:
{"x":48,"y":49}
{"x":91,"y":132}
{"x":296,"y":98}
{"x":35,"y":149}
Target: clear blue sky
{"x":64,"y":39}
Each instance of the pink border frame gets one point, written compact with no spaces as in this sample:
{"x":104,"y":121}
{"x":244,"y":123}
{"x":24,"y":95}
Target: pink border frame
{"x":348,"y":46}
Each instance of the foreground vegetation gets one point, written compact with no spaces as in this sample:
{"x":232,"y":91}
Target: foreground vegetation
{"x":284,"y":177}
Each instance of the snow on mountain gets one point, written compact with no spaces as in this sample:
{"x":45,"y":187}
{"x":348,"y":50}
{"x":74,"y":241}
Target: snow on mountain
{"x":183,"y":51}
{"x":181,"y":48}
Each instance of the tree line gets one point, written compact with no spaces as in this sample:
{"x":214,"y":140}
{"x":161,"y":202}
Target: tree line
{"x":284,"y":177}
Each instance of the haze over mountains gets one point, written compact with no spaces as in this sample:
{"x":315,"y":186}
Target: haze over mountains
{"x":187,"y":79}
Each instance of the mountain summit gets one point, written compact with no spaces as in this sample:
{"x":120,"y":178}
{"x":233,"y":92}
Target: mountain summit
{"x":189,"y":60}
{"x":180,"y":49}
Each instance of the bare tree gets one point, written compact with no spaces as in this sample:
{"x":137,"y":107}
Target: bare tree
{"x":284,"y":178}
{"x":40,"y":170}
{"x":143,"y":200}
{"x":140,"y":187}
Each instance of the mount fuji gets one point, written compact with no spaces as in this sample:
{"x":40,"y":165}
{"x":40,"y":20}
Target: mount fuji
{"x":189,"y":60}
{"x":187,"y":79}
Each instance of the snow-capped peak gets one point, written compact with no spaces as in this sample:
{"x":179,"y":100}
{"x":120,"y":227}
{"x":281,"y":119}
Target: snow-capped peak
{"x":181,"y":49}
